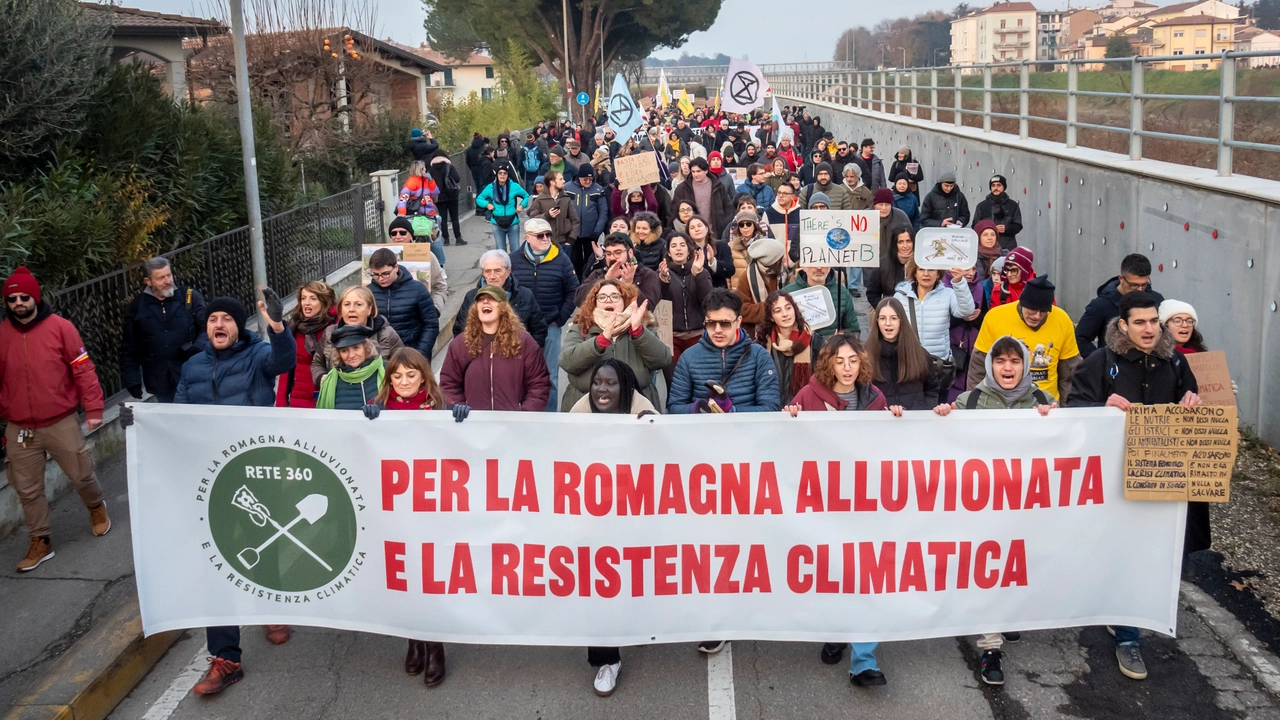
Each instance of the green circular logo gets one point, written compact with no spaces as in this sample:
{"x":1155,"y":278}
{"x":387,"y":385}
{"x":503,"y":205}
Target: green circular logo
{"x":282,"y":519}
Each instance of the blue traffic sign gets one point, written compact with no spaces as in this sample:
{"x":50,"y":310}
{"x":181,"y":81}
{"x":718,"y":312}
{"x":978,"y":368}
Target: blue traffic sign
{"x":583,"y":98}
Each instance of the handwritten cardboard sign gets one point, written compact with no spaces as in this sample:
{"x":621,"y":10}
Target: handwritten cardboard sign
{"x":1213,"y":377}
{"x":945,"y":248}
{"x":416,"y":258}
{"x":662,"y":313}
{"x":816,"y":306}
{"x":637,"y":169}
{"x":840,"y":238}
{"x":739,"y":174}
{"x":1175,"y":453}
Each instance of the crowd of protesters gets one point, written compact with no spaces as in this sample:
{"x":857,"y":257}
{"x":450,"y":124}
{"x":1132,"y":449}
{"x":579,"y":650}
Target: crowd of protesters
{"x":577,"y":270}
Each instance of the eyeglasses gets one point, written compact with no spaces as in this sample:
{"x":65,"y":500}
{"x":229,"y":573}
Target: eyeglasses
{"x":718,"y":324}
{"x":382,"y":275}
{"x":609,"y":298}
{"x":1141,"y":287}
{"x":20,"y":297}
{"x":398,"y":233}
{"x":539,"y":236}
{"x":1182,"y":322}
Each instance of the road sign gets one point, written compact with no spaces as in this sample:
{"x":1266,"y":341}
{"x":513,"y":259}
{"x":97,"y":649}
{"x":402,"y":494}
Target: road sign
{"x":583,"y":98}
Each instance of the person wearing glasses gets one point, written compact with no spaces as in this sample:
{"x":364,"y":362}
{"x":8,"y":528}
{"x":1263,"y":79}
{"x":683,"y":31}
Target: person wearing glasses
{"x":404,"y":301}
{"x":613,"y":322}
{"x":725,"y":372}
{"x":540,"y":265}
{"x":1135,"y":275}
{"x":45,"y":374}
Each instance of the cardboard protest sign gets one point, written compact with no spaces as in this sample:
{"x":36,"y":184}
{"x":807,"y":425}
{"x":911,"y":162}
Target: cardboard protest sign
{"x":1210,"y":369}
{"x":662,"y":313}
{"x":416,"y":258}
{"x":366,"y":251}
{"x":1176,"y":453}
{"x":739,"y":174}
{"x":945,"y":248}
{"x":636,"y":170}
{"x":816,"y":306}
{"x":840,"y":238}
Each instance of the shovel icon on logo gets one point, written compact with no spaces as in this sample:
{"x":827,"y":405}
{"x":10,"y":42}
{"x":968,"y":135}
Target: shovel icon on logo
{"x":310,"y":508}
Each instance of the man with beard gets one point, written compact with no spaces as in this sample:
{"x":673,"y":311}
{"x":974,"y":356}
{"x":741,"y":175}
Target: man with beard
{"x":45,"y":374}
{"x":1002,"y":210}
{"x":162,"y":328}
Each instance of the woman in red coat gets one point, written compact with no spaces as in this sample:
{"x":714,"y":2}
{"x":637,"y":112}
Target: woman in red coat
{"x":315,"y":311}
{"x":495,"y":364}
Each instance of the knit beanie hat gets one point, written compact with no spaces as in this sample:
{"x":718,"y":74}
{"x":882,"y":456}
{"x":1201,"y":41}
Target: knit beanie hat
{"x":232,"y":307}
{"x":1037,"y":295}
{"x":746,"y":216}
{"x":1023,"y":258}
{"x":1169,"y":308}
{"x":981,"y":225}
{"x":555,"y":151}
{"x":415,"y":133}
{"x":883,"y":195}
{"x":400,"y":223}
{"x":22,"y":281}
{"x":586,"y":171}
{"x":822,"y":167}
{"x":997,"y":179}
{"x":766,"y":250}
{"x":947,"y":177}
{"x":819,"y":197}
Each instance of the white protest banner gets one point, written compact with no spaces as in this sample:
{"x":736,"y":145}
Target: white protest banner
{"x":637,"y":169}
{"x":624,"y":117}
{"x":829,"y":527}
{"x":744,"y":85}
{"x":940,"y":248}
{"x":816,"y":306}
{"x":840,"y":238}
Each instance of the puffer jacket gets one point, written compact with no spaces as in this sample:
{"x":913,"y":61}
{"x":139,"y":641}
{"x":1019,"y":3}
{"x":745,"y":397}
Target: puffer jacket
{"x":510,"y":208}
{"x":552,"y":281}
{"x":592,"y":206}
{"x":645,"y":353}
{"x":932,"y":316}
{"x":847,"y":315}
{"x":835,"y":192}
{"x":492,"y":382}
{"x":900,"y":166}
{"x":421,"y":189}
{"x":407,"y":305}
{"x":815,"y":397}
{"x":909,"y":204}
{"x":753,"y":386}
{"x":938,"y":206}
{"x":1161,"y":376}
{"x":441,"y":169}
{"x":762,"y":193}
{"x":422,"y":149}
{"x":990,"y":400}
{"x":384,"y":336}
{"x":243,"y":374}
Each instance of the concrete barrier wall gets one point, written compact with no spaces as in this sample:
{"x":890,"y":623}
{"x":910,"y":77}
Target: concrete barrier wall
{"x":1213,"y":242}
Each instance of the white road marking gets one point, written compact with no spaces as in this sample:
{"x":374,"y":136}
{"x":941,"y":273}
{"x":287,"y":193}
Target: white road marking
{"x":179,"y":688}
{"x":720,"y":702}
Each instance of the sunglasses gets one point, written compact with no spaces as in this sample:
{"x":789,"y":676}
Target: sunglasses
{"x":540,"y":236}
{"x":718,"y":324}
{"x":746,"y":224}
{"x":20,"y":297}
{"x":397,"y":233}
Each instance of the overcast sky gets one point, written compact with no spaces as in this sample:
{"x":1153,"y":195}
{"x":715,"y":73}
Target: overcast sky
{"x":744,"y":27}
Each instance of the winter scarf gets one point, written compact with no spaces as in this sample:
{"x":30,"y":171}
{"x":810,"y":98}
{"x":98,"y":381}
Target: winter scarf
{"x":1024,"y":385}
{"x":421,"y":401}
{"x":312,"y":326}
{"x":357,"y":376}
{"x":796,"y":346}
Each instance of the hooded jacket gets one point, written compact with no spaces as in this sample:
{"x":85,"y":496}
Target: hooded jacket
{"x":938,"y":206}
{"x":440,"y":168}
{"x":551,"y":280}
{"x":762,"y":193}
{"x":1092,"y":327}
{"x":932,"y":315}
{"x":243,"y":374}
{"x":900,"y":166}
{"x":751,"y":384}
{"x":522,"y":301}
{"x":1161,"y":376}
{"x":1001,"y":210}
{"x":45,"y":371}
{"x":490,"y":381}
{"x":407,"y":305}
{"x":815,"y":397}
{"x":835,"y":192}
{"x":686,"y":292}
{"x":909,"y":204}
{"x":422,"y":149}
{"x":621,"y":205}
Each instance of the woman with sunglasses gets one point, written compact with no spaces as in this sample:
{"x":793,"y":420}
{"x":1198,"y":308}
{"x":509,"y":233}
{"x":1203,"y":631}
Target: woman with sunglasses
{"x":502,"y":200}
{"x":746,"y":230}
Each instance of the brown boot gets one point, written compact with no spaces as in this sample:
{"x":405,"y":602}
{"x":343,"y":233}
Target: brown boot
{"x":435,"y":664}
{"x":41,"y":549}
{"x":222,"y":674}
{"x":278,"y":634}
{"x":416,"y":659}
{"x":98,"y":516}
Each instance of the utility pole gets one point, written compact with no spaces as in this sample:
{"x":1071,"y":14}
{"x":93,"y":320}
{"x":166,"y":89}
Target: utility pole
{"x":245,"y":106}
{"x":568,"y":84}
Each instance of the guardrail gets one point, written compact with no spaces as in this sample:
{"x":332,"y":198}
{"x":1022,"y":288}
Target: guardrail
{"x":842,"y":85}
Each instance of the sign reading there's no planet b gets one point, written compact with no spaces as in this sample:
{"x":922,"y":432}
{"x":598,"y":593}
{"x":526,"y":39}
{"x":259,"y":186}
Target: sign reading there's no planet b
{"x":839,"y":238}
{"x":945,"y":248}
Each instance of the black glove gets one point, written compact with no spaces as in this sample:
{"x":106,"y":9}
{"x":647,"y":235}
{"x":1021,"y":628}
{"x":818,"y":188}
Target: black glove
{"x":136,"y":391}
{"x":372,"y":410}
{"x":275,"y":308}
{"x":460,"y":412}
{"x":126,"y":415}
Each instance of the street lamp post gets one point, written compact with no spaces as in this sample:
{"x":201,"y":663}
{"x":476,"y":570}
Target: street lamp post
{"x":244,"y":105}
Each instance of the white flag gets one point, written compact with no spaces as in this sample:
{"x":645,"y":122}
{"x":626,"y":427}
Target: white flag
{"x":664,"y":92}
{"x":744,"y":86}
{"x":624,"y":116}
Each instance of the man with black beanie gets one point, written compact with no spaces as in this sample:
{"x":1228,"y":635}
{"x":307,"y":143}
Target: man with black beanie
{"x":592,"y":205}
{"x":1002,"y":210}
{"x":1043,"y":327}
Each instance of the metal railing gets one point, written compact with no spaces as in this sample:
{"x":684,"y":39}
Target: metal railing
{"x":913,"y":91}
{"x":303,"y":244}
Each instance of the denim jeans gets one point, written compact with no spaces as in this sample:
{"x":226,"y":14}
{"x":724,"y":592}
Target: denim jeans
{"x":224,"y":642}
{"x":507,"y":239}
{"x":855,"y":278}
{"x":551,"y":353}
{"x":1125,"y":635}
{"x":437,"y":249}
{"x":862,"y":657}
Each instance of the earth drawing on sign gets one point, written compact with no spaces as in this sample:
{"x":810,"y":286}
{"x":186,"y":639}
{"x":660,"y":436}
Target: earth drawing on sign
{"x":838,"y":238}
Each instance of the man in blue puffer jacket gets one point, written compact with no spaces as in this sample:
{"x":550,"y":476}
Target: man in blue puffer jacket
{"x":404,"y":301}
{"x":726,"y":358}
{"x":236,"y":368}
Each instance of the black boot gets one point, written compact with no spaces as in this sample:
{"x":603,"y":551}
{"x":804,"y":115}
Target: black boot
{"x":435,"y":664}
{"x":832,"y":652}
{"x":415,"y":660}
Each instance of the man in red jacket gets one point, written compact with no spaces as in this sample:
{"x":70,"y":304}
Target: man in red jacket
{"x":45,"y":374}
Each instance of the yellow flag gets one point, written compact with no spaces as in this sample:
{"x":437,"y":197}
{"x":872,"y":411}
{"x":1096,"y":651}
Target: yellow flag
{"x":685,"y":105}
{"x":717,"y":112}
{"x":664,"y":93}
{"x":599,"y":100}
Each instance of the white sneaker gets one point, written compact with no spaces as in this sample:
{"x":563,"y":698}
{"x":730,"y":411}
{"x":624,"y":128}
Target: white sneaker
{"x":607,"y":679}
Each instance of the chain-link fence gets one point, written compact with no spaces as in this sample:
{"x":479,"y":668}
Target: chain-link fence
{"x":303,"y":244}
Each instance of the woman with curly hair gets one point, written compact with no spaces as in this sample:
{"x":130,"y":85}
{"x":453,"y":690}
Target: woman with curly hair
{"x":609,"y":323}
{"x":495,"y":364}
{"x":790,"y":342}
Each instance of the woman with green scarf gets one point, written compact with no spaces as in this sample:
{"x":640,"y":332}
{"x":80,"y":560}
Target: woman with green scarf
{"x":357,"y":372}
